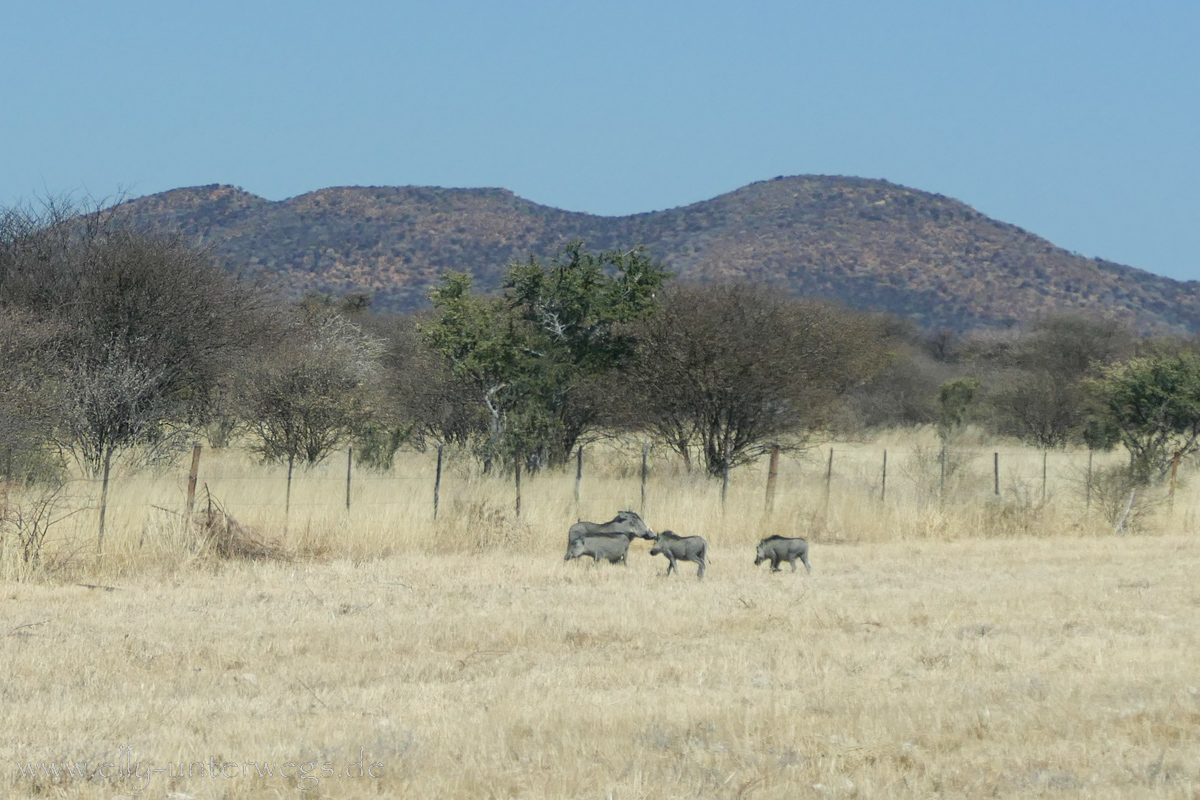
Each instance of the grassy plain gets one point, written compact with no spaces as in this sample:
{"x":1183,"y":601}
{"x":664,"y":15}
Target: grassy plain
{"x":948,"y":643}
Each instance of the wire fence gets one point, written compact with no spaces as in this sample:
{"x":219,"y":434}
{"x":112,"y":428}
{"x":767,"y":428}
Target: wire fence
{"x":832,"y":472}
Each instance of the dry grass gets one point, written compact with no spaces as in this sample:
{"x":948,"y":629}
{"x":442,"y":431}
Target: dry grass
{"x":939,"y":647}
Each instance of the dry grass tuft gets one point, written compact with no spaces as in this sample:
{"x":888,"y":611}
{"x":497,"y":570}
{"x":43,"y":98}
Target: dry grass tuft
{"x":229,"y":539}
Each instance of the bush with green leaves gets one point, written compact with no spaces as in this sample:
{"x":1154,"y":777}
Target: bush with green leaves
{"x":531,"y":357}
{"x":1151,"y":405}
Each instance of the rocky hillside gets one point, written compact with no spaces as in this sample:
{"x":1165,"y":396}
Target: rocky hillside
{"x":871,"y":244}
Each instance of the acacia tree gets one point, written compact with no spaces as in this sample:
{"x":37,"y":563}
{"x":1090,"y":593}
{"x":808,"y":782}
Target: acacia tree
{"x":145,"y":324}
{"x":1040,"y":407}
{"x":955,"y":398}
{"x":314,"y":394}
{"x":731,"y":369}
{"x":427,"y":400}
{"x":530,"y":354}
{"x":118,"y":294}
{"x":1152,"y":406}
{"x":27,"y":419}
{"x":108,"y":408}
{"x":1039,"y":395}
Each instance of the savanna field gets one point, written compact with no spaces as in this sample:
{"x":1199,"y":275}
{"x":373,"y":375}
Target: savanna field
{"x":950,"y":641}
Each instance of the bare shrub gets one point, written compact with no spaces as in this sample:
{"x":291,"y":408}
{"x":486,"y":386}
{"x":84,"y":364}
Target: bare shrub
{"x":481,"y":525}
{"x":1020,"y":511}
{"x":229,"y":539}
{"x":934,"y":475}
{"x":1125,"y":502}
{"x":25,"y":522}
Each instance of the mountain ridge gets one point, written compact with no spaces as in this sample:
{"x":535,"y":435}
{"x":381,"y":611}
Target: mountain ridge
{"x":868,"y":243}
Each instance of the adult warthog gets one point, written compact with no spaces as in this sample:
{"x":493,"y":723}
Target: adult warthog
{"x":681,"y":548}
{"x":781,"y":548}
{"x":612,"y":547}
{"x":627,"y":522}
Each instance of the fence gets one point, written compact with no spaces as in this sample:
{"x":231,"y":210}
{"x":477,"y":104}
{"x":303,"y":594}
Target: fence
{"x":867,"y":477}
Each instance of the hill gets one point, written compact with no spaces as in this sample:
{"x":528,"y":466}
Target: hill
{"x":868,"y":243}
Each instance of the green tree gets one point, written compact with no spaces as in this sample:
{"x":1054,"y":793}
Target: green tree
{"x":954,"y":401}
{"x":532,"y":356}
{"x":1152,"y":404}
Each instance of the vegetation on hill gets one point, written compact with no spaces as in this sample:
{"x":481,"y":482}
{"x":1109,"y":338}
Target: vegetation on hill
{"x":870,"y":244}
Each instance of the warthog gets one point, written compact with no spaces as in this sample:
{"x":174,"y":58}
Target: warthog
{"x":781,"y":548}
{"x":624,"y":522}
{"x":614,"y":547}
{"x":681,"y":548}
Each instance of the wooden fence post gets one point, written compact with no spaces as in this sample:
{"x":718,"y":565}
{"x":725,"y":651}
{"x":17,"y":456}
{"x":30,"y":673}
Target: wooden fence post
{"x":193,"y":473}
{"x":1089,"y":481}
{"x":518,"y":482}
{"x":579,"y":479}
{"x":645,"y":470}
{"x":7,"y":482}
{"x":996,"y":473}
{"x":104,"y":498}
{"x":437,"y":480}
{"x":724,"y":485}
{"x":828,"y":477}
{"x":772,"y":478}
{"x":1174,"y":473}
{"x":349,"y":464}
{"x":942,"y":481}
{"x":883,"y":483}
{"x":1044,"y":456}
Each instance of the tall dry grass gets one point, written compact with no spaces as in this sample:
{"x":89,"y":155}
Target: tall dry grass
{"x":1059,"y":667}
{"x":393,"y":513}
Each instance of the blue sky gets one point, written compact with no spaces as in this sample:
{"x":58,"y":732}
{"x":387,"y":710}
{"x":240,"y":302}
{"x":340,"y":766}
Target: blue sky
{"x":1079,"y":121}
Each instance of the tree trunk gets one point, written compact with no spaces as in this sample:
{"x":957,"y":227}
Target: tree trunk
{"x":287,"y":502}
{"x":437,"y":481}
{"x":495,"y":428}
